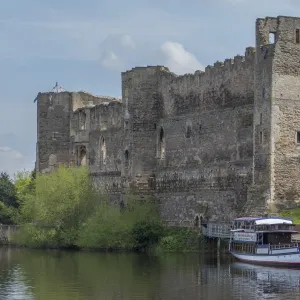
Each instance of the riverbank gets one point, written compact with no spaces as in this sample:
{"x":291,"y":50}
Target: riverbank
{"x":64,"y":210}
{"x":167,"y":240}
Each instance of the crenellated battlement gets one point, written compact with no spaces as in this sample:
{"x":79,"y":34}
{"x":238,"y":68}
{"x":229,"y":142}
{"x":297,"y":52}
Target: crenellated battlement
{"x":238,"y":63}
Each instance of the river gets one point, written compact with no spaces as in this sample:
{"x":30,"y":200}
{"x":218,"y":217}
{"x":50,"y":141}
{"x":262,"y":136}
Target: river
{"x":59,"y":275}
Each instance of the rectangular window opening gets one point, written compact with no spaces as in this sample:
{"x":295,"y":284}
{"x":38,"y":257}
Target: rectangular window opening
{"x":271,"y":37}
{"x":260,"y":137}
{"x":298,"y":137}
{"x":260,"y":119}
{"x":263,"y":92}
{"x":297,"y":36}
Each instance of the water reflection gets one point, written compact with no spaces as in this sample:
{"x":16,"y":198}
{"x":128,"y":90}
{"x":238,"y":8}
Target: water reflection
{"x":44,"y":275}
{"x":267,"y":282}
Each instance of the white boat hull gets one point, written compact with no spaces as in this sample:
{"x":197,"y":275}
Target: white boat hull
{"x":280,"y":259}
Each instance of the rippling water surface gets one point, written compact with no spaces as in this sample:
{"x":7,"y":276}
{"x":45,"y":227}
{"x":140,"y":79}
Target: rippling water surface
{"x":55,"y":275}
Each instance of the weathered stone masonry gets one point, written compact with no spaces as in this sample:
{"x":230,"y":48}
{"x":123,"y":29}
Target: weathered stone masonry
{"x":215,"y":144}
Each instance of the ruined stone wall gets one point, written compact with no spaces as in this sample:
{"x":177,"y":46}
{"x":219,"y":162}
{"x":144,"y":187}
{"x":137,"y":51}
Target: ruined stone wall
{"x":84,"y":99}
{"x":92,"y":114}
{"x":207,"y":140}
{"x":106,"y":146}
{"x":63,"y":127}
{"x":286,"y":114}
{"x":106,"y":138}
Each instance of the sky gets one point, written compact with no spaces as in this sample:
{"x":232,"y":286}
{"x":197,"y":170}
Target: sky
{"x":85,"y":45}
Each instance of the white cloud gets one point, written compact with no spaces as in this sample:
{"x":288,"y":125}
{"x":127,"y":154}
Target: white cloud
{"x":110,"y":60}
{"x":127,"y":41}
{"x":178,"y":59}
{"x":12,"y":161}
{"x":116,"y":51}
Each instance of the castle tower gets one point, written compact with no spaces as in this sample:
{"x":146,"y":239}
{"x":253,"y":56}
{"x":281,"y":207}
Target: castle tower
{"x":277,"y":111}
{"x":141,"y":112}
{"x":53,"y":129}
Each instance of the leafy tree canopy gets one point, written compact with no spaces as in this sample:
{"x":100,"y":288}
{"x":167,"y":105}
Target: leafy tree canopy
{"x":7,"y":191}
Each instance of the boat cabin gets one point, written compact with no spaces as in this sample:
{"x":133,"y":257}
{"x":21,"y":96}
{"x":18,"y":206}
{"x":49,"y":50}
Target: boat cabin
{"x":251,"y":234}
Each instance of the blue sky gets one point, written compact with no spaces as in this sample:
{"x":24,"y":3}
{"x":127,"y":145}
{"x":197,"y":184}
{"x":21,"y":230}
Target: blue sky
{"x":84,"y":45}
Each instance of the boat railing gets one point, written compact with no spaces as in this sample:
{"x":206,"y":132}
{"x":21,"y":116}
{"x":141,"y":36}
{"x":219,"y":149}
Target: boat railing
{"x":216,"y":230}
{"x":283,"y":246}
{"x":264,"y":227}
{"x":247,"y":227}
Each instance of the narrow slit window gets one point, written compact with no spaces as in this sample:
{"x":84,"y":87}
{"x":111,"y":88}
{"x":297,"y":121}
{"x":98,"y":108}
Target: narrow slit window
{"x":260,"y":137}
{"x":260,"y":119}
{"x":126,"y":155}
{"x":297,"y":36}
{"x":188,"y":132}
{"x":298,"y":137}
{"x":263,"y":92}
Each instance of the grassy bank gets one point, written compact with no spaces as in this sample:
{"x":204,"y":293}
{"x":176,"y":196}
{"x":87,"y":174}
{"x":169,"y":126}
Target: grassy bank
{"x":293,"y":214}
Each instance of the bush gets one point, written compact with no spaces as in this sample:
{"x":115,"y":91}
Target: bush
{"x":105,"y":230}
{"x":110,"y":228}
{"x":179,"y":240}
{"x":146,"y":234}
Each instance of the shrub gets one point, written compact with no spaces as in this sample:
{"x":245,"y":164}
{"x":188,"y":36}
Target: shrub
{"x":178,"y":240}
{"x":146,"y":234}
{"x":106,"y":229}
{"x":136,"y":227}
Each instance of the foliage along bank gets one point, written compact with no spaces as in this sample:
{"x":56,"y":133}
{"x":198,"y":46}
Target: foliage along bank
{"x":64,"y":210}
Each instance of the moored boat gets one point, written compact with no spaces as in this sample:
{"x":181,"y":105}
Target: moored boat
{"x":265,"y":241}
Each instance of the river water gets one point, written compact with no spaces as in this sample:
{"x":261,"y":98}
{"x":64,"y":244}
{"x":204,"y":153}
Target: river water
{"x":58,"y":275}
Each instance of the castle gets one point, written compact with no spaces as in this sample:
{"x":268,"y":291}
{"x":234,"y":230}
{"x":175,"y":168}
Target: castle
{"x":215,"y":144}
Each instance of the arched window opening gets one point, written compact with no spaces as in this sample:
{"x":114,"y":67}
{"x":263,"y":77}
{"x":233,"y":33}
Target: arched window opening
{"x":82,"y":120}
{"x":82,"y":156}
{"x":102,"y":152}
{"x":272,"y":37}
{"x":161,"y":145}
{"x":188,"y":133}
{"x":196,"y":221}
{"x":126,"y":128}
{"x":126,"y":158}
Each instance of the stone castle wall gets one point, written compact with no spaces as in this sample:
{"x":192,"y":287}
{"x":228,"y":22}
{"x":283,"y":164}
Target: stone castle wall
{"x":208,"y":140}
{"x":204,"y":144}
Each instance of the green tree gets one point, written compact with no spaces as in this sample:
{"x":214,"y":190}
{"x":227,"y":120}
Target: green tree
{"x":24,"y":184}
{"x":7,"y":191}
{"x":56,"y":207}
{"x":25,"y":192}
{"x":8,"y":199}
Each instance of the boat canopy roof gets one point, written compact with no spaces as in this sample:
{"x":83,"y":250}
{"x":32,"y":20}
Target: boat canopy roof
{"x":265,"y":221}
